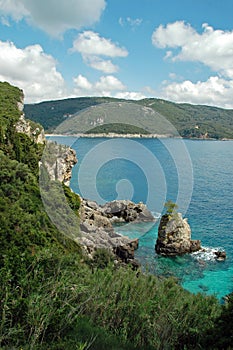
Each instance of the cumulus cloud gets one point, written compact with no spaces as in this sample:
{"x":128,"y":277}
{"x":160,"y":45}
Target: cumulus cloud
{"x":94,"y":50}
{"x":105,"y":86}
{"x":213,"y":48}
{"x":173,"y":35}
{"x":32,"y":70}
{"x":54,"y":17}
{"x":99,"y":63}
{"x":91,"y":43}
{"x":130,"y":95}
{"x":215,"y":91}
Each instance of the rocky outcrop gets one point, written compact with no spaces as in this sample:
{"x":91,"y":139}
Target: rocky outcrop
{"x":97,"y":231}
{"x":31,"y":129}
{"x":174,"y":236}
{"x":127,"y":211}
{"x":126,"y":252}
{"x":220,"y":255}
{"x":59,"y":161}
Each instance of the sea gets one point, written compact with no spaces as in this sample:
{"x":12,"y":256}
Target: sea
{"x":195,"y":174}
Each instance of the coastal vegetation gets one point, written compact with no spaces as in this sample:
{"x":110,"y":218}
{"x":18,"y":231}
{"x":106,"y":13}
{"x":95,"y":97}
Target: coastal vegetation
{"x":53,"y":297}
{"x":191,"y":121}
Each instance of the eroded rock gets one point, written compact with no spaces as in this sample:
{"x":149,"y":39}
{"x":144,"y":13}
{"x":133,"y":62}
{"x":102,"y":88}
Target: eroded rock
{"x":97,"y":226}
{"x":174,"y":236}
{"x":59,"y":161}
{"x":127,"y":211}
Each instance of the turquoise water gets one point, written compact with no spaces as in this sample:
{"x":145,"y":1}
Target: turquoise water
{"x":154,"y":171}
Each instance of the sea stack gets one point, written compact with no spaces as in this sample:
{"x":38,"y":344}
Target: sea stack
{"x":174,"y":236}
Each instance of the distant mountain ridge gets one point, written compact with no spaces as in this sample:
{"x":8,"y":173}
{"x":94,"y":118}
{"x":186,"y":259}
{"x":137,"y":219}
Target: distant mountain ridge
{"x":190,"y":121}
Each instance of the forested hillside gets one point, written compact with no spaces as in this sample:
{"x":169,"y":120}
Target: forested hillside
{"x":191,"y":121}
{"x":53,"y":297}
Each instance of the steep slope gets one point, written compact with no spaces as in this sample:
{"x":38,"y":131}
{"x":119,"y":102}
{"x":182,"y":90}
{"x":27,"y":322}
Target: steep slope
{"x":24,"y":222}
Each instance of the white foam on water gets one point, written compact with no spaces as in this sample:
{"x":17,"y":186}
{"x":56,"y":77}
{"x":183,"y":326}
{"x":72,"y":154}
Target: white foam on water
{"x":156,"y":215}
{"x":206,"y":253}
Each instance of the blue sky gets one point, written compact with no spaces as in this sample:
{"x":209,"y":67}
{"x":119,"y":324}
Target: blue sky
{"x":177,"y":50}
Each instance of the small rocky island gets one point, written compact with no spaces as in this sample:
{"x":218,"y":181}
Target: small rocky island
{"x":174,"y":236}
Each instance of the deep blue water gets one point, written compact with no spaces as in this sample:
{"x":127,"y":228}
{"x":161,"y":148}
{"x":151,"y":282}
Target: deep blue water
{"x":198,"y":175}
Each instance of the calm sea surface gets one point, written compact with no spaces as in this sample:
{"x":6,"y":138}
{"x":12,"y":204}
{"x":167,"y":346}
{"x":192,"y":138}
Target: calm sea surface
{"x":198,"y":175}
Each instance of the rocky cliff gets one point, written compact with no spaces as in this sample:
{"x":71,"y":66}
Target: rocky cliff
{"x":174,"y":236}
{"x":31,"y":129}
{"x":28,"y":127}
{"x":59,"y":161}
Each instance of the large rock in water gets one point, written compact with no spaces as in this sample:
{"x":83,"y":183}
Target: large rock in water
{"x":174,"y":236}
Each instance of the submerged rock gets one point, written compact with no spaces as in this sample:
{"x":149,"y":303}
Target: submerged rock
{"x":220,"y":255}
{"x":174,"y":236}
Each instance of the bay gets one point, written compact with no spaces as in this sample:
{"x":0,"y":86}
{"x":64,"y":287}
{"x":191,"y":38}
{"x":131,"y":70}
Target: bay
{"x":198,"y":174}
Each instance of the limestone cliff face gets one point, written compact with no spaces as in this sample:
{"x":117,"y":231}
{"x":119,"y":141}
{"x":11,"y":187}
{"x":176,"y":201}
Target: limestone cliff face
{"x":34,"y":131}
{"x":31,"y":129}
{"x":59,"y":161}
{"x":174,"y":236}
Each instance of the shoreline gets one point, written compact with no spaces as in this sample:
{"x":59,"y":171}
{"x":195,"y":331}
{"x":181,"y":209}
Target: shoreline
{"x":115,"y":135}
{"x":132,"y":136}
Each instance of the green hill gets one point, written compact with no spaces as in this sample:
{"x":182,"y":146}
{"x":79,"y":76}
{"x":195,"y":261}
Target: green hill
{"x":191,"y":121}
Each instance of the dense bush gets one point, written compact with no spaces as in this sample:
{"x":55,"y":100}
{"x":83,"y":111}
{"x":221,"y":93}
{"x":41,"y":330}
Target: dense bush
{"x":56,"y":291}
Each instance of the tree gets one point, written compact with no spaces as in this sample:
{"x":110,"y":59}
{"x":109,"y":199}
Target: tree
{"x":170,"y":207}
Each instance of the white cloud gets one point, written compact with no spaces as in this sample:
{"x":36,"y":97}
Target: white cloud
{"x":54,"y":17}
{"x":93,"y":48}
{"x":13,"y":8}
{"x":32,"y":70}
{"x":105,"y":86}
{"x":213,"y":48}
{"x":91,"y":43}
{"x":82,"y":83}
{"x":110,"y":83}
{"x":130,"y":21}
{"x":130,"y":95}
{"x":134,"y":22}
{"x":98,"y":63}
{"x":215,"y":91}
{"x":173,"y":35}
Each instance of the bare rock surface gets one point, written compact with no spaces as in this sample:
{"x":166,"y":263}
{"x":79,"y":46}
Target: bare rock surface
{"x":59,"y":161}
{"x":97,"y":229}
{"x":174,"y":236}
{"x":127,"y":211}
{"x":33,"y":130}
